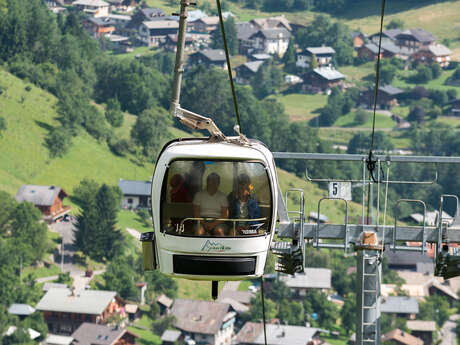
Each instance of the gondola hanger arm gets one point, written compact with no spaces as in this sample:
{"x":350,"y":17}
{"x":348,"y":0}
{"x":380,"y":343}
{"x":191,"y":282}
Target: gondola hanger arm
{"x":196,"y":121}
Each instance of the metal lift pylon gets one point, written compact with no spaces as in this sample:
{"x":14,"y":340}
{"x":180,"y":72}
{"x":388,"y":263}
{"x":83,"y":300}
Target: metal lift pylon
{"x":368,"y":240}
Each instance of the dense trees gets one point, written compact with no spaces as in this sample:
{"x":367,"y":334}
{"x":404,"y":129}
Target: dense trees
{"x":361,"y":142}
{"x":230,"y":35}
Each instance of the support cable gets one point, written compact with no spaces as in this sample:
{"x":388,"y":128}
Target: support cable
{"x":263,"y":304}
{"x":229,"y":69}
{"x":371,"y":161}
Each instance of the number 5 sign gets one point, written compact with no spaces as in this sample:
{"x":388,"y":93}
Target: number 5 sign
{"x":340,"y":190}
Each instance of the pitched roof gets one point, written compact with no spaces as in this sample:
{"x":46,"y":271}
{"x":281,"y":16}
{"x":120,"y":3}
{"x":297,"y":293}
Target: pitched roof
{"x":390,"y":33}
{"x":214,"y":20}
{"x":195,"y":15}
{"x":420,"y":325}
{"x":240,"y":296}
{"x":161,"y":24}
{"x":272,"y":22}
{"x":38,"y":195}
{"x":170,"y":335}
{"x":399,"y":305}
{"x":320,"y":50}
{"x":274,"y":33}
{"x":94,"y":334}
{"x":199,"y":316}
{"x":438,"y":49}
{"x":216,"y":55}
{"x":237,"y":306}
{"x":311,"y":278}
{"x":401,"y":337}
{"x":33,"y":334}
{"x":53,"y":339}
{"x":329,"y":73}
{"x":444,"y":288}
{"x":20,"y":309}
{"x":391,"y":90}
{"x":164,"y":300}
{"x":261,"y":56}
{"x":276,"y":334}
{"x":152,"y":12}
{"x":253,"y":66}
{"x":131,"y":187}
{"x":420,"y":35}
{"x":96,"y":3}
{"x":245,"y":30}
{"x":84,"y":301}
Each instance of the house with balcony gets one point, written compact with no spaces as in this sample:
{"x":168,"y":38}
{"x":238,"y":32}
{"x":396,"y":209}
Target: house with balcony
{"x":322,"y":55}
{"x":48,"y":199}
{"x":414,"y":39}
{"x":270,"y":41}
{"x":209,"y":58}
{"x":153,"y":33}
{"x":136,"y":194}
{"x":203,"y":321}
{"x":434,"y":53}
{"x":322,"y":79}
{"x":245,"y":72}
{"x":206,"y":24}
{"x":65,"y":310}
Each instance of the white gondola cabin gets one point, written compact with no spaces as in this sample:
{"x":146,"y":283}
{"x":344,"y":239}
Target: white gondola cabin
{"x":214,"y":210}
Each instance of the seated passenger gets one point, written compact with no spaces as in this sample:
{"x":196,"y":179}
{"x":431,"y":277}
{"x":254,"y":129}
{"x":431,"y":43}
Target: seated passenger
{"x":211,"y":203}
{"x":178,"y":191}
{"x":245,"y":206}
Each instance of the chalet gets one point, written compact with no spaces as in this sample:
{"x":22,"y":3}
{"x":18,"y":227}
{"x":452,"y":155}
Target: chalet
{"x":454,"y":107}
{"x":270,"y":41}
{"x":95,"y":8}
{"x":206,"y":24}
{"x":145,"y":15}
{"x":398,"y":337}
{"x":153,"y":33}
{"x":170,"y":337}
{"x":252,"y":333}
{"x":322,"y":55}
{"x":239,"y":301}
{"x":435,"y":287}
{"x":387,"y":97}
{"x":165,"y":303}
{"x":122,"y":5}
{"x":65,"y":310}
{"x":90,"y":334}
{"x":434,"y":53}
{"x":358,"y":38}
{"x":322,"y":79}
{"x":203,"y":321}
{"x":422,"y":329}
{"x":136,"y":194}
{"x":192,"y":41}
{"x":370,"y":51}
{"x":387,"y":36}
{"x":47,"y":198}
{"x":410,"y":261}
{"x":415,"y":39}
{"x":120,"y":21}
{"x":246,"y":71}
{"x":311,"y":278}
{"x":278,"y":22}
{"x":99,"y":26}
{"x":208,"y":57}
{"x":401,"y":306}
{"x":244,"y":31}
{"x":194,"y":15}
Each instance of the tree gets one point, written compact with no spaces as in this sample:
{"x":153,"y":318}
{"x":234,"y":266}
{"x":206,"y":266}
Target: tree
{"x":151,"y":130}
{"x":121,"y":277}
{"x":85,"y":191}
{"x":230,"y":34}
{"x":326,"y":311}
{"x":267,"y":80}
{"x":328,"y":115}
{"x":255,"y":310}
{"x":162,"y":324}
{"x":348,"y":313}
{"x":2,"y":125}
{"x":289,"y":58}
{"x":434,"y":308}
{"x":417,"y":114}
{"x":395,"y":24}
{"x":361,"y":116}
{"x":58,"y":141}
{"x":6,"y":211}
{"x":436,"y":70}
{"x":113,"y":112}
{"x":387,"y":73}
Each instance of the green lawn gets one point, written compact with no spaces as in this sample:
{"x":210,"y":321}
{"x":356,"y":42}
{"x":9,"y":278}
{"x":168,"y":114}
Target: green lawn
{"x":357,"y":73}
{"x":449,"y":120}
{"x":301,"y":107}
{"x":336,"y":135}
{"x":129,"y":219}
{"x":146,"y":337}
{"x":438,"y":83}
{"x":381,"y":121}
{"x":244,"y":285}
{"x":335,"y":341}
{"x":195,"y":289}
{"x":40,"y":272}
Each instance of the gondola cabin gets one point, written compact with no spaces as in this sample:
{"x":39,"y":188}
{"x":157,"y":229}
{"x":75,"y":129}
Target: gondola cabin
{"x":214,"y":210}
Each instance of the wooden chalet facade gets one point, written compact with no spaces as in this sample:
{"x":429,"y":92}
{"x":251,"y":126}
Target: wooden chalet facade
{"x":322,"y":79}
{"x":48,"y":199}
{"x":64,"y":310}
{"x":209,"y":58}
{"x":434,"y":53}
{"x":206,"y":24}
{"x":387,"y":97}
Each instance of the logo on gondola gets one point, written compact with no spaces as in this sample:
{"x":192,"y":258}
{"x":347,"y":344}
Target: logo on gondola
{"x":211,"y":246}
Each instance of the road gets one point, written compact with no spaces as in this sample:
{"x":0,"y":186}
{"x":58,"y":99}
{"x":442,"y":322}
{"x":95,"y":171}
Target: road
{"x":448,"y":331}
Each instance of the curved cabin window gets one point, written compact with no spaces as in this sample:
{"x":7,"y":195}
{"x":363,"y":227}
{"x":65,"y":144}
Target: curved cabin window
{"x":216,"y":199}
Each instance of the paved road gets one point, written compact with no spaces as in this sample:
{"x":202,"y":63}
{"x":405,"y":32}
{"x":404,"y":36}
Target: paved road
{"x":448,"y":331}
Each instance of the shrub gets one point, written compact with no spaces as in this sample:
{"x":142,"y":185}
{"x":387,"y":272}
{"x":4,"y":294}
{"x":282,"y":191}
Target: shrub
{"x":58,"y":141}
{"x":361,"y":116}
{"x":417,"y":114}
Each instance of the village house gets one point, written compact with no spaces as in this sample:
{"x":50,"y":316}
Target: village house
{"x":90,"y":334}
{"x":95,"y":8}
{"x":244,"y":31}
{"x":136,"y":194}
{"x":322,"y":79}
{"x":153,"y":33}
{"x":322,"y":55}
{"x":206,"y":24}
{"x":370,"y":51}
{"x":205,"y":322}
{"x":245,"y":72}
{"x":99,"y":26}
{"x":165,"y":303}
{"x":48,"y":199}
{"x":422,"y":329}
{"x":122,"y":5}
{"x":144,"y":15}
{"x":387,"y":36}
{"x":64,"y":310}
{"x":278,"y":22}
{"x":252,"y":333}
{"x":410,"y":261}
{"x":434,"y":53}
{"x":398,"y":337}
{"x":400,"y":306}
{"x":359,"y":39}
{"x":387,"y":97}
{"x":208,"y":58}
{"x":259,"y":57}
{"x":311,"y":278}
{"x":415,"y":39}
{"x":270,"y":41}
{"x":239,"y":301}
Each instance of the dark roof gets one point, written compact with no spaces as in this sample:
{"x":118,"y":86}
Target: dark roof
{"x":215,"y":55}
{"x":401,"y":337}
{"x":130,"y":187}
{"x":252,"y":66}
{"x":276,"y":334}
{"x":152,"y":12}
{"x":438,"y":50}
{"x":390,"y":33}
{"x":245,"y":30}
{"x":199,"y":316}
{"x":38,"y":195}
{"x":101,"y":21}
{"x":372,"y":47}
{"x":402,"y":258}
{"x":274,"y":33}
{"x":94,"y":334}
{"x":399,"y":305}
{"x":391,"y":90}
{"x":419,"y":34}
